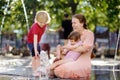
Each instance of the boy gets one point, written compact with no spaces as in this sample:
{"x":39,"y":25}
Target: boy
{"x":34,"y":36}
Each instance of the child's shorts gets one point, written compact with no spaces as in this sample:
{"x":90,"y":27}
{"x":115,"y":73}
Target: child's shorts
{"x":31,"y":48}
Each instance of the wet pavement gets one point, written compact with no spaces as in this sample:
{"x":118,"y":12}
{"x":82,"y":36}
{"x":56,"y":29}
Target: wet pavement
{"x":15,"y":66}
{"x":19,"y":68}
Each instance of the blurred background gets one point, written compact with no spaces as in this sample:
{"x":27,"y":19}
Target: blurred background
{"x":17,"y":16}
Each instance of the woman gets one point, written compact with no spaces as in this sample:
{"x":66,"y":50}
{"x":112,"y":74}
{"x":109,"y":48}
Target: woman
{"x":82,"y":66}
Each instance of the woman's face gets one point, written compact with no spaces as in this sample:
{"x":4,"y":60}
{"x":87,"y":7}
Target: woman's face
{"x":77,"y":26}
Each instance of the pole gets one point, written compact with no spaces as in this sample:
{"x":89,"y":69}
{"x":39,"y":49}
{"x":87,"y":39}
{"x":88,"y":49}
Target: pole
{"x":25,"y":14}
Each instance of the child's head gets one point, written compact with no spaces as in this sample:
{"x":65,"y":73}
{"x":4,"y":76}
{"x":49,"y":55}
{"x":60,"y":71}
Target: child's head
{"x":42,"y":17}
{"x":74,"y":37}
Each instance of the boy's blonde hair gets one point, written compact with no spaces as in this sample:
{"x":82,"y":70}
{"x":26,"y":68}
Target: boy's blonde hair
{"x":42,"y":17}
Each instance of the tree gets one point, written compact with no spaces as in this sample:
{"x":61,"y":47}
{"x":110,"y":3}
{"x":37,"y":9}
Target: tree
{"x":101,"y":12}
{"x":111,"y":11}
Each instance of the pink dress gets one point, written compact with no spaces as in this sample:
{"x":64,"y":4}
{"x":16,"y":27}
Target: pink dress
{"x":82,"y":66}
{"x":72,"y":54}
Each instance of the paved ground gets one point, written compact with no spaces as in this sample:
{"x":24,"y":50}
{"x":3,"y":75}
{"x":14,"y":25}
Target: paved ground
{"x":17,"y":68}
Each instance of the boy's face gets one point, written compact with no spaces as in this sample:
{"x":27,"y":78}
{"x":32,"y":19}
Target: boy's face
{"x":72,"y":42}
{"x":41,"y":18}
{"x":41,"y":24}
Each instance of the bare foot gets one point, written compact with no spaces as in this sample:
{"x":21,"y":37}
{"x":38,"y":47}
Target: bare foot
{"x":51,"y":74}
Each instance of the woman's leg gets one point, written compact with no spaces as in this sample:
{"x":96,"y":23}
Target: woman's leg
{"x":57,"y":63}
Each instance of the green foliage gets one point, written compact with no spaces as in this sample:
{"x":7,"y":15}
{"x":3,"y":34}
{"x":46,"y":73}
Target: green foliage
{"x":110,"y":10}
{"x":98,"y":12}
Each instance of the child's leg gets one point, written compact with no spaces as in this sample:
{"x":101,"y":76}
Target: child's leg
{"x":35,"y":65}
{"x":37,"y":62}
{"x":57,"y":63}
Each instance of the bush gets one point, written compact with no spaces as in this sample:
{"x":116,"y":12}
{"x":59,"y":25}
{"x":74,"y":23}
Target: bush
{"x":25,"y":52}
{"x":15,"y":51}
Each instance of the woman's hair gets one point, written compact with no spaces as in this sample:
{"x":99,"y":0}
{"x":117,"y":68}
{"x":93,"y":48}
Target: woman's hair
{"x":74,"y":35}
{"x":42,"y":17}
{"x":81,"y":19}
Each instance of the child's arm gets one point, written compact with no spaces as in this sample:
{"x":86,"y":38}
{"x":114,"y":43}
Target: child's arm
{"x":35,"y":45}
{"x":71,"y":47}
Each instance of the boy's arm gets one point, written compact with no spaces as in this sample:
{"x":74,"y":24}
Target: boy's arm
{"x":35,"y":45}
